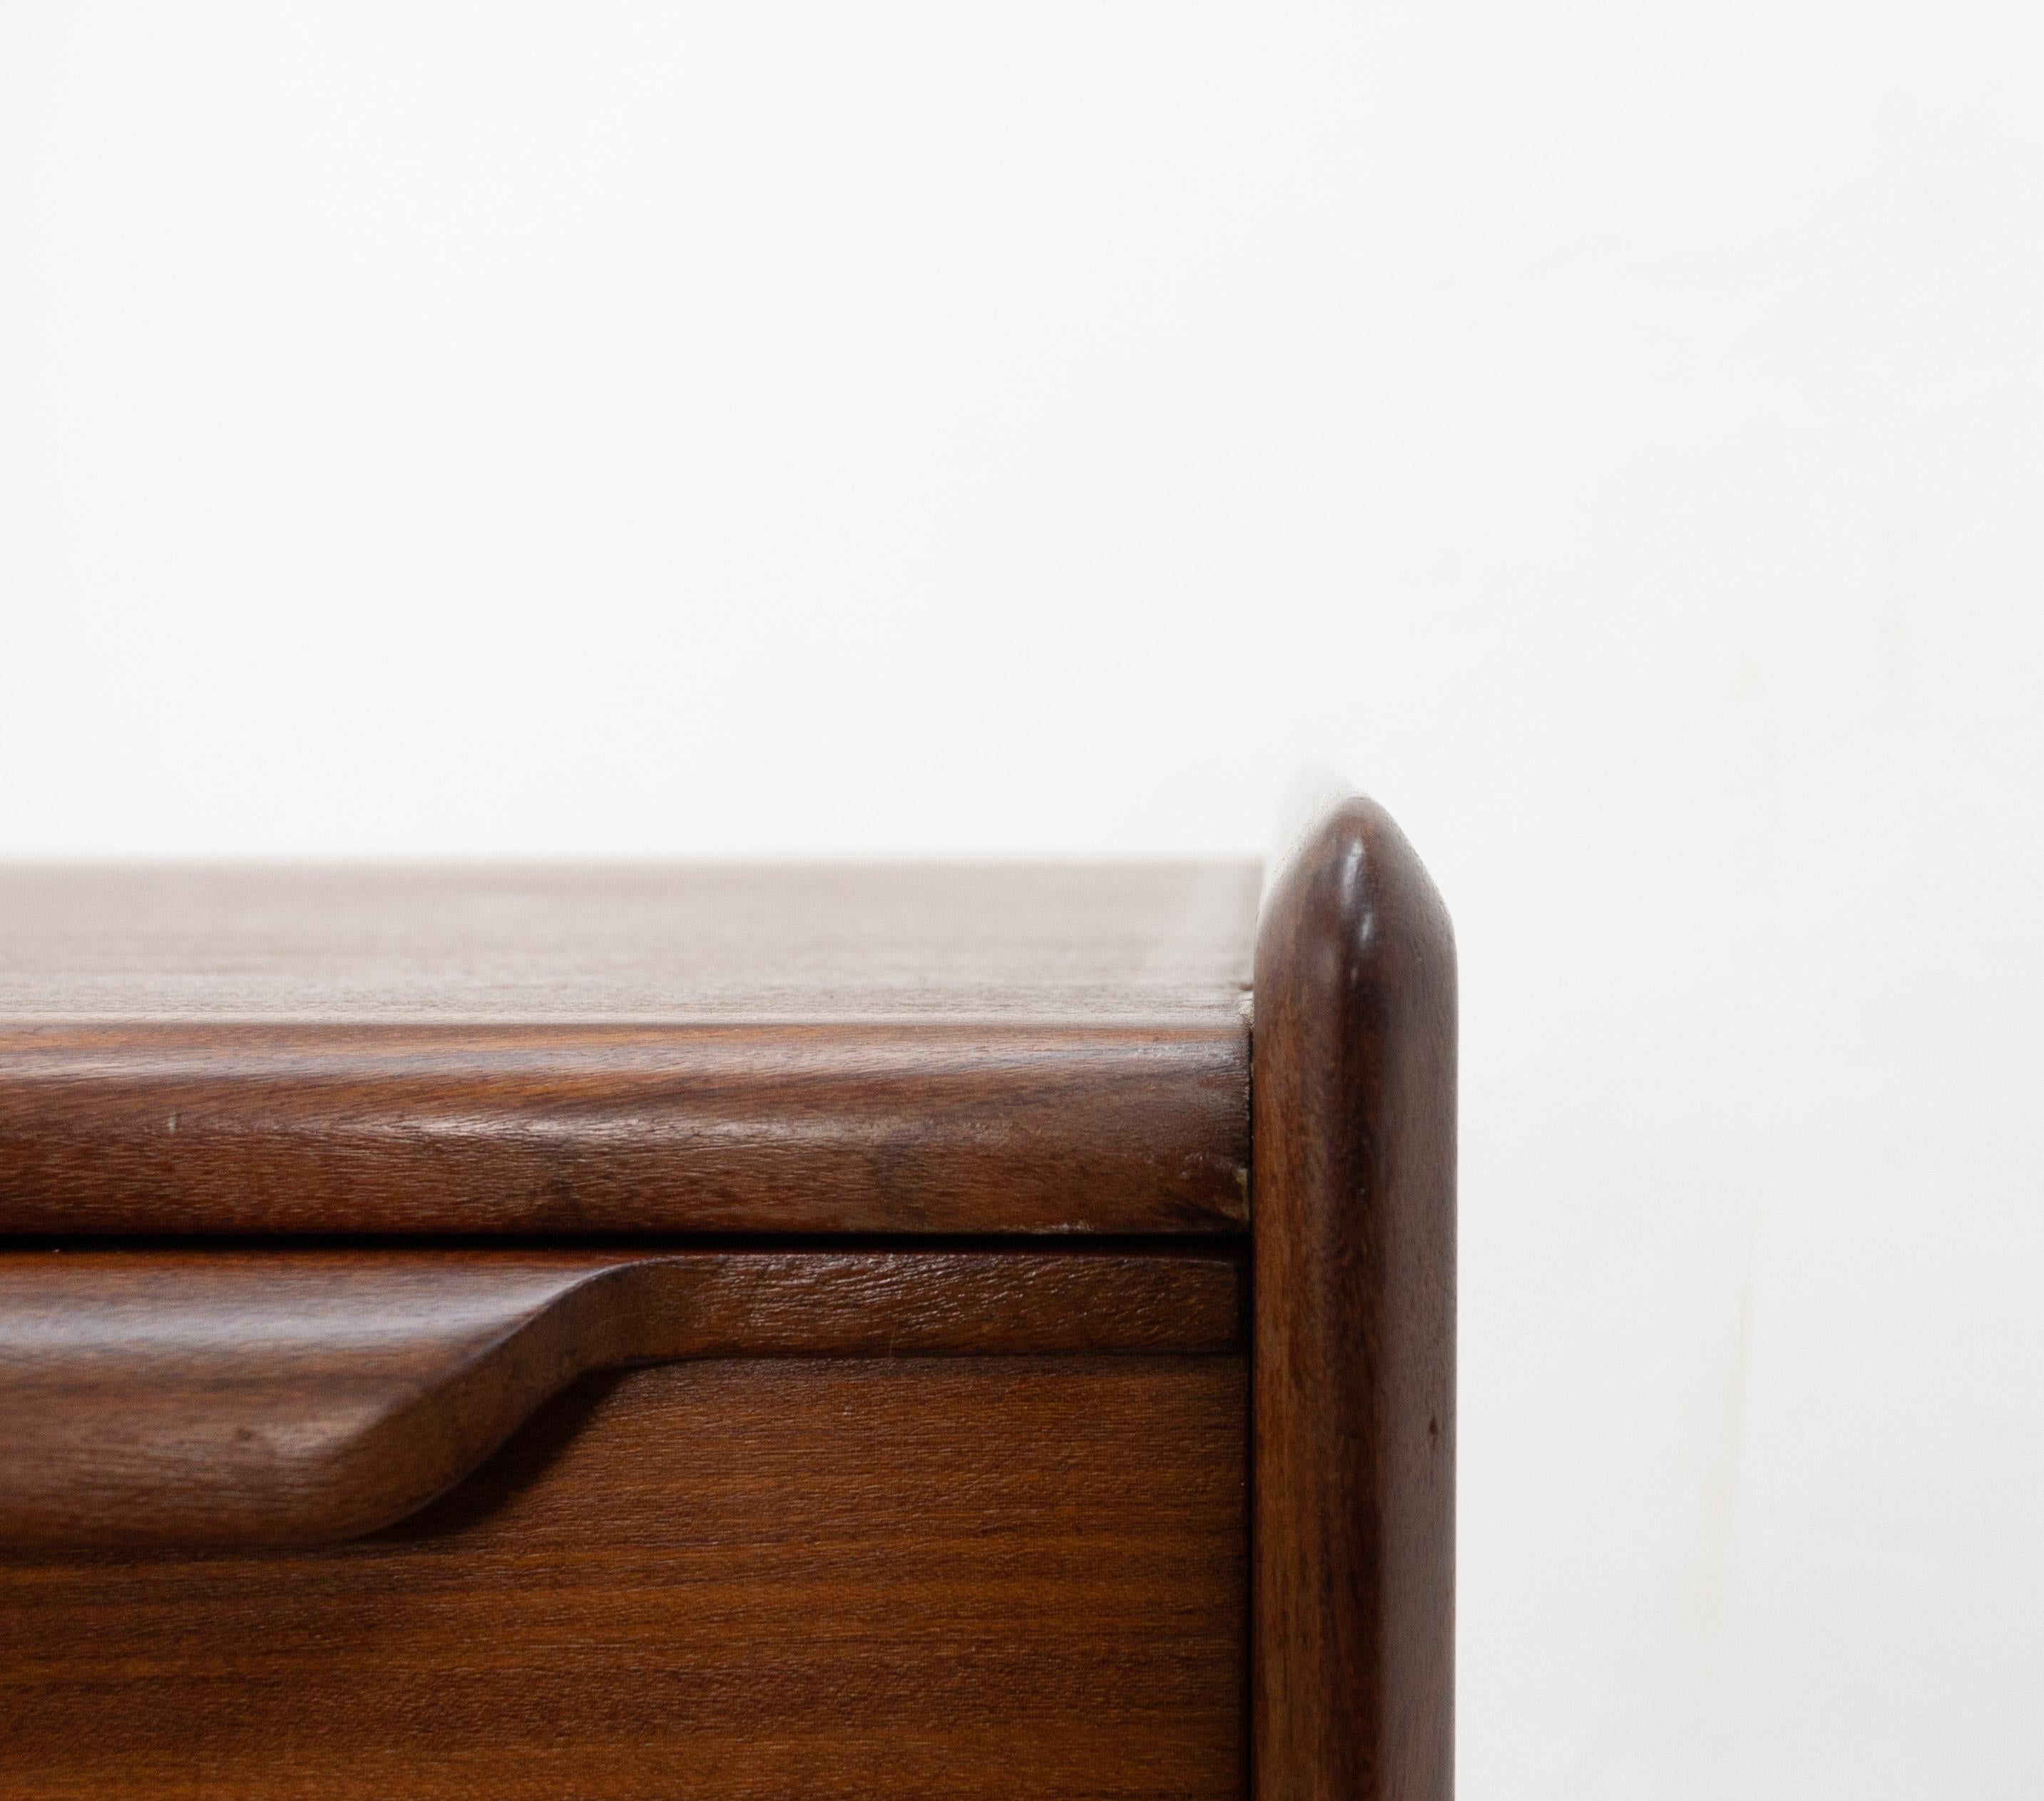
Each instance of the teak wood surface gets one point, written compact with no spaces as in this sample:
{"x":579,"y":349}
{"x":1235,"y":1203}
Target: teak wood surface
{"x":980,"y":1578}
{"x":1015,"y":1050}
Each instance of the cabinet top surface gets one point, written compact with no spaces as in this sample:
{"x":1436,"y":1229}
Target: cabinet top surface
{"x":759,"y":944}
{"x":996,"y":1048}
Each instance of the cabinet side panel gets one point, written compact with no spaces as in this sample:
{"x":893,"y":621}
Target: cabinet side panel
{"x":1354,"y":1227}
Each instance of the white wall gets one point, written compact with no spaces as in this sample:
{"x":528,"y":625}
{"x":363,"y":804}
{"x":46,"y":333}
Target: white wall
{"x":1616,"y":433}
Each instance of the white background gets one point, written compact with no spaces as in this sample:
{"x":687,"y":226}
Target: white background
{"x":1615,"y":433}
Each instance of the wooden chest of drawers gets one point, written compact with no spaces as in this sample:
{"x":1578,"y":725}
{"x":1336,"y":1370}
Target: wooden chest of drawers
{"x":729,"y":1334}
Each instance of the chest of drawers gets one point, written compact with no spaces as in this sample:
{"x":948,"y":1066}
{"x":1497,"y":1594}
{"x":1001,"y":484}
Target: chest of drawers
{"x":729,"y":1333}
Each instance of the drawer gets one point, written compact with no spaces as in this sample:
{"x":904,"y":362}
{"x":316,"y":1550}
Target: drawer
{"x":995,"y":1541}
{"x":729,"y":1579}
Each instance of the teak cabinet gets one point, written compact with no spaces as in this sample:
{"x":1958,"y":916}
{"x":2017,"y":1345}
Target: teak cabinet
{"x":731,"y":1334}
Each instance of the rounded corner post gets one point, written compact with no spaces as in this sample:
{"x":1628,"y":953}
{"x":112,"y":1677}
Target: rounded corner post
{"x":1353,"y":1226}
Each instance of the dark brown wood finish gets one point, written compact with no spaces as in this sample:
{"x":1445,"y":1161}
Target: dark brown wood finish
{"x":907,"y":1050}
{"x":282,"y":1398}
{"x":964,"y":1578}
{"x":1354,"y":1261}
{"x":842,"y":1540}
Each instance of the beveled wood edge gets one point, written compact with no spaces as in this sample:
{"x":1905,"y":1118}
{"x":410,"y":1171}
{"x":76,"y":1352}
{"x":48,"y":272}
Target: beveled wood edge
{"x":916,"y":1128}
{"x":302,"y":1398}
{"x":1353,"y":1211}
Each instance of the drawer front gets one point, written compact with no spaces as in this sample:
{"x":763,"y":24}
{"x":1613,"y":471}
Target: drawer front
{"x":765,"y":1577}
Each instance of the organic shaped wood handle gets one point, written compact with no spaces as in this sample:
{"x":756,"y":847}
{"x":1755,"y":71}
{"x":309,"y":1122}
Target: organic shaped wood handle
{"x":302,"y":1398}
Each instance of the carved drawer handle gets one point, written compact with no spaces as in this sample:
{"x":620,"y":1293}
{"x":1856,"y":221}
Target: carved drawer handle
{"x":302,"y":1398}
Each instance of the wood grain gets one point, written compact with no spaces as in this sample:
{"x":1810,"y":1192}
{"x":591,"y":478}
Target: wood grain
{"x":300,"y":1398}
{"x":907,"y":1050}
{"x":722,"y":1581}
{"x":1354,"y":1279}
